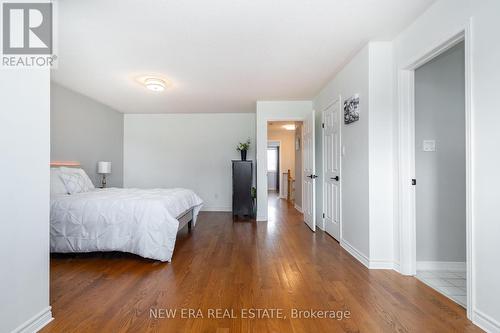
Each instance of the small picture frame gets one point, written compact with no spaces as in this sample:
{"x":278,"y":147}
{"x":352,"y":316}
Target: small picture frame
{"x":351,"y":109}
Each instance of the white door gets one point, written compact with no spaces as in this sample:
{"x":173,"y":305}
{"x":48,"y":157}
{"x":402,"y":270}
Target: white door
{"x":308,"y":174}
{"x":331,"y":167}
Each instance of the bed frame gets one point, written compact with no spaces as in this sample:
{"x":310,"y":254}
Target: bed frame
{"x":186,"y":218}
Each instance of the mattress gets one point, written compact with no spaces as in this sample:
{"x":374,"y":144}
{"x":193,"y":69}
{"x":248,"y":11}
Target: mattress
{"x":138,"y":221}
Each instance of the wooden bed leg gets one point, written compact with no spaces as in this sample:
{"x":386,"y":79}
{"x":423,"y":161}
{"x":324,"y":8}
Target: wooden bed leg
{"x":190,"y":225}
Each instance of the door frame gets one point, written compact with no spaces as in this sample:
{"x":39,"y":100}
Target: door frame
{"x":323,"y":190}
{"x":276,"y":143}
{"x":406,"y":211}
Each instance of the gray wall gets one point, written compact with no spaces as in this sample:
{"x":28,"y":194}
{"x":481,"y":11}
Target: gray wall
{"x":440,"y":196}
{"x":87,"y":131}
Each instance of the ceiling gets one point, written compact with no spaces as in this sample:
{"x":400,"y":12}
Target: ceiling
{"x":219,"y":55}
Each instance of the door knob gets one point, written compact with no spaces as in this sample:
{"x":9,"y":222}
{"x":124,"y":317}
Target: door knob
{"x":336,"y":178}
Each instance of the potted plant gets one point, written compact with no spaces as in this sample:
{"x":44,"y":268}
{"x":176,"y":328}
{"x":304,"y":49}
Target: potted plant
{"x":243,"y":148}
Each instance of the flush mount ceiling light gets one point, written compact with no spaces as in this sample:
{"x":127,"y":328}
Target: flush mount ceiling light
{"x":289,"y":127}
{"x":155,"y":84}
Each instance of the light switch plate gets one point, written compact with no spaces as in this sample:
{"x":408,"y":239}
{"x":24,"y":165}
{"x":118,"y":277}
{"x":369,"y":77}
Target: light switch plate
{"x":429,"y":145}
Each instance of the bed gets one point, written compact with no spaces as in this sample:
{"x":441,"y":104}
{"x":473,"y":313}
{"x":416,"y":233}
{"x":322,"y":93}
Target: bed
{"x":139,"y":221}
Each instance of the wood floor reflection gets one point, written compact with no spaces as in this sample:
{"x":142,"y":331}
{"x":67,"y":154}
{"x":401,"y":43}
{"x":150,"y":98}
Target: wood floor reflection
{"x":221,"y":264}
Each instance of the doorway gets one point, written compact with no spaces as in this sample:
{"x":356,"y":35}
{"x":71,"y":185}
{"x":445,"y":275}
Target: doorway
{"x":284,"y":160}
{"x":440,"y":191}
{"x":273,"y":166}
{"x":406,"y":164}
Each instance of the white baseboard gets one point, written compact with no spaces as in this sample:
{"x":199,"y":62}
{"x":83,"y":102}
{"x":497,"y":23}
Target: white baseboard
{"x":441,"y":266}
{"x":261,"y":218}
{"x":320,"y":224}
{"x":485,"y":322}
{"x":355,"y":253}
{"x":397,"y":267}
{"x":216,"y":209}
{"x":362,"y":258}
{"x":381,"y":264}
{"x":297,"y":207}
{"x":36,"y":323}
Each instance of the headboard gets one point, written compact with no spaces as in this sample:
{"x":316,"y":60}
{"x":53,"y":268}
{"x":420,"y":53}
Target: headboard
{"x":69,"y":164}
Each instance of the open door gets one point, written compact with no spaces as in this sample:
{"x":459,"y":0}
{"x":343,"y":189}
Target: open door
{"x":308,"y":172}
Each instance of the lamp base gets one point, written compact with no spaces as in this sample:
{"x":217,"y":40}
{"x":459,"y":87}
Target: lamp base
{"x":103,"y":181}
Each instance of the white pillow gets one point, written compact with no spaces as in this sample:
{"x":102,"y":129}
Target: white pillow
{"x":87,"y":182}
{"x":56,"y":184}
{"x":74,"y":183}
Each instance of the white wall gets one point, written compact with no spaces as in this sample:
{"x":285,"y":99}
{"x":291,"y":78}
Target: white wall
{"x":432,"y":28}
{"x":366,"y":174}
{"x":440,"y":190}
{"x":186,"y":150}
{"x":380,"y":155}
{"x":269,"y":111}
{"x":24,"y":198}
{"x":351,"y":80}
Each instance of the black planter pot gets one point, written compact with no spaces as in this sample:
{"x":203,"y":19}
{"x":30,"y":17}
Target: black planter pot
{"x":243,"y":155}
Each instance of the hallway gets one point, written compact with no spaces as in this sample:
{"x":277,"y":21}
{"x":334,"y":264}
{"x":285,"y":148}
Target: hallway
{"x":236,"y":266}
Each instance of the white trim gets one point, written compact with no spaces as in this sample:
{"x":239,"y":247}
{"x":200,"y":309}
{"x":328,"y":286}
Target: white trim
{"x":485,"y":322}
{"x":381,"y":264}
{"x":216,"y":209}
{"x":297,"y":207}
{"x":469,"y":167}
{"x":396,"y":266}
{"x":35,"y":323}
{"x":457,"y":266}
{"x":362,"y":258}
{"x":406,"y":157}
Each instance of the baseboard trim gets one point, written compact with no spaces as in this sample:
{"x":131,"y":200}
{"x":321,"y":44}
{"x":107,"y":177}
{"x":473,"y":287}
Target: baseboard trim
{"x":36,"y":323}
{"x":355,"y":252}
{"x":216,"y":209}
{"x":381,"y":264}
{"x":261,"y":218}
{"x":441,"y":266}
{"x":297,"y":207}
{"x":397,"y":267}
{"x":485,"y":322}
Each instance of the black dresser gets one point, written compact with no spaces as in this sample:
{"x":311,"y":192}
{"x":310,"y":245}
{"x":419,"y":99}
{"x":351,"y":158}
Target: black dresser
{"x":242,"y":188}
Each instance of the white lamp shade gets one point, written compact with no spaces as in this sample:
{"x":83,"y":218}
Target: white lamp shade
{"x":104,"y":167}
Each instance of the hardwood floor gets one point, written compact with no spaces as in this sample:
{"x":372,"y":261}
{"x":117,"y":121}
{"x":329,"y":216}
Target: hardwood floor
{"x":279,"y":264}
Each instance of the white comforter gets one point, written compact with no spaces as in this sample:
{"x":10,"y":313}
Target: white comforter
{"x":142,"y":222}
